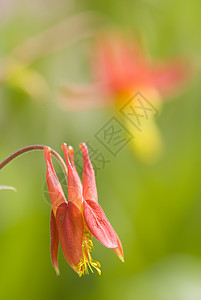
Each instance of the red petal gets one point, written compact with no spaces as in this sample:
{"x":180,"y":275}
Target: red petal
{"x":89,"y":181}
{"x":71,"y":155}
{"x":56,"y":193}
{"x":70,"y":228}
{"x":74,"y":182}
{"x":54,"y":243}
{"x":119,"y":62}
{"x":170,"y":76}
{"x":99,"y":225}
{"x":119,"y":250}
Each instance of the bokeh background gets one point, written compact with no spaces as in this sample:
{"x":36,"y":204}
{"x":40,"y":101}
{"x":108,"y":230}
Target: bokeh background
{"x":155,"y":208}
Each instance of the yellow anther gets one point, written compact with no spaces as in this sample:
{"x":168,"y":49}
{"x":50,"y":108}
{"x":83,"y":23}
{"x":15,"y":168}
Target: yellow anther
{"x":86,"y":259}
{"x":99,"y":271}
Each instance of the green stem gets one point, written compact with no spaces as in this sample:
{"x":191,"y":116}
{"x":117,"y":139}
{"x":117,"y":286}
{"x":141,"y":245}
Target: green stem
{"x":31,"y":148}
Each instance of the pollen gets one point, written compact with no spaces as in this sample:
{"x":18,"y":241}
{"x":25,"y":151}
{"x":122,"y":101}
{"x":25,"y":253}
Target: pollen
{"x":87,"y":263}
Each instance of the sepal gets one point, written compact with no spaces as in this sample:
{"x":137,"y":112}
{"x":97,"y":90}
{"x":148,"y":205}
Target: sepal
{"x":99,"y":225}
{"x":70,"y":228}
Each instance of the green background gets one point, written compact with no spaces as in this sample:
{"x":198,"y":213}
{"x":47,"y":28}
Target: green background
{"x":154,"y":208}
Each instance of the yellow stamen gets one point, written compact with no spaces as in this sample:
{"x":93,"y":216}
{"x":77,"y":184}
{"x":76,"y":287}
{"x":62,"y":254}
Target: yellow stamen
{"x":86,"y":259}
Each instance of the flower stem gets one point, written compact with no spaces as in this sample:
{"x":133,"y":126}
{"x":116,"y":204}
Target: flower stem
{"x":31,"y":148}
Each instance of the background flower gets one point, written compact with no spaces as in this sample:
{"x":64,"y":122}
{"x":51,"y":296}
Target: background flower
{"x":122,"y":69}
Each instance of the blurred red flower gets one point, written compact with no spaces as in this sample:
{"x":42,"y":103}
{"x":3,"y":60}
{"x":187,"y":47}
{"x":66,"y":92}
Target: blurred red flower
{"x":121,"y":69}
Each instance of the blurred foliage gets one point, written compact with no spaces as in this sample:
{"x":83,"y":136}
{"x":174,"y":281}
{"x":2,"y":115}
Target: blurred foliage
{"x":154,"y":208}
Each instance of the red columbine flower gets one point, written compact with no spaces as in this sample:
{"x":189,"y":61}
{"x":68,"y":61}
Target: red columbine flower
{"x":121,"y":69}
{"x":74,"y":222}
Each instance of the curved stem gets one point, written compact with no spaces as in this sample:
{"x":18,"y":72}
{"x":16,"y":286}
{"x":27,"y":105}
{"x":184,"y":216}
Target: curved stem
{"x":31,"y":148}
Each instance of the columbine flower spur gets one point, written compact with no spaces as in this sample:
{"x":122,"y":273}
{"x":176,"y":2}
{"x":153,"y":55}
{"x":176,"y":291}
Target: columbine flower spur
{"x":74,"y":222}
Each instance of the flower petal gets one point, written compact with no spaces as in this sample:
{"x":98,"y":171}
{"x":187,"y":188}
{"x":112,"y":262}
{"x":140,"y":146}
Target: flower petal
{"x":89,"y":181}
{"x":56,"y":193}
{"x":119,"y":250}
{"x":71,"y":155}
{"x":148,"y":143}
{"x":70,"y":228}
{"x":74,"y":182}
{"x":119,"y":63}
{"x":54,"y":243}
{"x":170,"y":76}
{"x":99,"y":225}
{"x":84,"y":97}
